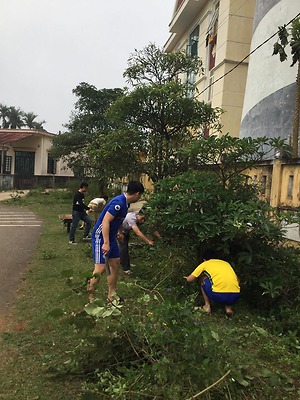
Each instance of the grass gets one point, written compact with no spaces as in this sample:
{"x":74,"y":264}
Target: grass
{"x":34,"y":345}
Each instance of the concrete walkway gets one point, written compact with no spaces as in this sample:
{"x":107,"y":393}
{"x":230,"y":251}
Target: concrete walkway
{"x":19,"y":233}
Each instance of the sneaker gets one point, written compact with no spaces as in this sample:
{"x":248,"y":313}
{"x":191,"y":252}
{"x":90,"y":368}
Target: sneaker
{"x":86,"y":238}
{"x":128,"y":272}
{"x":72,"y":242}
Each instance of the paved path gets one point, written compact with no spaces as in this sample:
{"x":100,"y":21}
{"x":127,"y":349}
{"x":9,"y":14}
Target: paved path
{"x":19,"y":233}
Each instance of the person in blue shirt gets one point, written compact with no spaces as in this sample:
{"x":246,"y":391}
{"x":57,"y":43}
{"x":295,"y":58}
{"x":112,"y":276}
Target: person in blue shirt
{"x":104,"y":238}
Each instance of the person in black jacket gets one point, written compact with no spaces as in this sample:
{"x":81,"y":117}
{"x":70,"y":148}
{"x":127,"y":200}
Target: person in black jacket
{"x":79,"y":213}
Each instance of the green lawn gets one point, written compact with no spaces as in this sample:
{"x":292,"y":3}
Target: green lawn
{"x":37,"y":350}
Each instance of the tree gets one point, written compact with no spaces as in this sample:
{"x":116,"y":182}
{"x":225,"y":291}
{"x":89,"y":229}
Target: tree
{"x":87,"y":128}
{"x":160,"y":109}
{"x":4,"y":113}
{"x":15,"y":118}
{"x":29,"y":121}
{"x":291,"y":36}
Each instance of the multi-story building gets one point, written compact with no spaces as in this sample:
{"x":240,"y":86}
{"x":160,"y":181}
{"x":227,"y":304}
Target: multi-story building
{"x":271,"y":84}
{"x":219,"y":32}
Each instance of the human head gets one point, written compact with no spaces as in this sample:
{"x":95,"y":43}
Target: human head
{"x":208,"y":254}
{"x":83,"y":186}
{"x":134,"y":191}
{"x":141,"y":218}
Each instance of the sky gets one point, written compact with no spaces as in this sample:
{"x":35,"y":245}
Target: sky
{"x":48,"y":47}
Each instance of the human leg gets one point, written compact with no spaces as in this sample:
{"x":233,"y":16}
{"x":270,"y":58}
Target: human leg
{"x":76,"y":216}
{"x":87,"y":225}
{"x":207,"y":306}
{"x":99,"y":269}
{"x":124,"y":253}
{"x":112,"y":278}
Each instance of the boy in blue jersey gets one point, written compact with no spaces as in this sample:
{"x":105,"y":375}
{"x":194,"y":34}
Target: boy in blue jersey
{"x":104,"y":237}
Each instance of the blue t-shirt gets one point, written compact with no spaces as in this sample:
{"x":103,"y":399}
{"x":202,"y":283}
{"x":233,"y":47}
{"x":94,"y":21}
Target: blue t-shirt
{"x":117,"y":207}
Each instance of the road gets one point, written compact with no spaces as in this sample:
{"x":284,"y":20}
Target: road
{"x":19,"y":233}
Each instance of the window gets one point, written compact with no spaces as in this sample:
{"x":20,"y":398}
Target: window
{"x":290,"y":186}
{"x":51,"y":166}
{"x":24,"y":163}
{"x":7,"y":164}
{"x":211,"y":39}
{"x":263,"y":184}
{"x":192,"y":50}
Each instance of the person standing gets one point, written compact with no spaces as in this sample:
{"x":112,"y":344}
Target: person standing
{"x":219,"y":283}
{"x":104,"y":239}
{"x":130,"y":223}
{"x":79,"y":213}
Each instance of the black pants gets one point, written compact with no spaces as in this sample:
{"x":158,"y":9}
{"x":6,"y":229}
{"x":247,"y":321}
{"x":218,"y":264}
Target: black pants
{"x":124,"y":252}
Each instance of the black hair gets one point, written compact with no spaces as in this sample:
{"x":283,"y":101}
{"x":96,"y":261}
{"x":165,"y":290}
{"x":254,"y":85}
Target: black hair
{"x":208,"y":254}
{"x":135,"y":187}
{"x":83,"y":184}
{"x":105,"y":197}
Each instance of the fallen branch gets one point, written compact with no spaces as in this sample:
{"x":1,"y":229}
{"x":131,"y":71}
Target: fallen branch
{"x":209,"y":387}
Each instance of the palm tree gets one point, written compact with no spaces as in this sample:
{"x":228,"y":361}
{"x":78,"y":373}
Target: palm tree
{"x":292,"y":37}
{"x":4,"y":112}
{"x":28,"y":119}
{"x":15,"y":118}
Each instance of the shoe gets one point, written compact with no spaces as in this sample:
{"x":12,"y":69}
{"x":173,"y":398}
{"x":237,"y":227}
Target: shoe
{"x":72,"y":242}
{"x":86,"y":238}
{"x":128,"y":272}
{"x":116,"y":301}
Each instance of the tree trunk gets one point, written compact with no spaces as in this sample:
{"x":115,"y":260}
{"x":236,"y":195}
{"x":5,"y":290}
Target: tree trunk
{"x":296,"y":115}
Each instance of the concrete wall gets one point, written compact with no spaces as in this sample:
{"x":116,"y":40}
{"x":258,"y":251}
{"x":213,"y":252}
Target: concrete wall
{"x":270,"y":90}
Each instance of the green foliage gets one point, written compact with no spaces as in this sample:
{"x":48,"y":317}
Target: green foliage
{"x":154,"y":66}
{"x":88,"y":124}
{"x":159,"y":109}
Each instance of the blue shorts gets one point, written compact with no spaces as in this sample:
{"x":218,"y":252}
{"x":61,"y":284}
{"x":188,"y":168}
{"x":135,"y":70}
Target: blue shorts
{"x":220,"y":298}
{"x":98,"y":255}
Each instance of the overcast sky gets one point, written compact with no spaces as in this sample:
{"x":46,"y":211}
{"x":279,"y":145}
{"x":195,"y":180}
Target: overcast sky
{"x":49,"y":46}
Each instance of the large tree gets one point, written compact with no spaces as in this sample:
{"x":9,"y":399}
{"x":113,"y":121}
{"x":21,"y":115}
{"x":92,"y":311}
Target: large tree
{"x":160,"y":109}
{"x":291,"y":36}
{"x":15,"y":117}
{"x":86,"y":129}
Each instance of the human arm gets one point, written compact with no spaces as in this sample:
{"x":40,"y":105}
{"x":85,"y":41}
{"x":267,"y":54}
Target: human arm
{"x":190,"y":278}
{"x":108,"y":218}
{"x":140,"y":234}
{"x":195,"y":274}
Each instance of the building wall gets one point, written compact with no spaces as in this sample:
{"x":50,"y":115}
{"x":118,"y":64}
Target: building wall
{"x":231,"y":38}
{"x":270,"y":89}
{"x":40,"y":144}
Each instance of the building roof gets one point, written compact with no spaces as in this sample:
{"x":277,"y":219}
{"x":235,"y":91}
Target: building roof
{"x":9,"y":137}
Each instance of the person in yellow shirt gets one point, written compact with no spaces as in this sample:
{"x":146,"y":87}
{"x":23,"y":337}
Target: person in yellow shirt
{"x":219,"y":283}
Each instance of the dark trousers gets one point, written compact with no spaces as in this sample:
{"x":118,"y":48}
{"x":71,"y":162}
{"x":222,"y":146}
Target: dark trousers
{"x":124,"y":252}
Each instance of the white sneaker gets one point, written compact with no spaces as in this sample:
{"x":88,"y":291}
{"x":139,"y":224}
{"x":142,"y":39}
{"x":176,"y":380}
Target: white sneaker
{"x":72,"y":242}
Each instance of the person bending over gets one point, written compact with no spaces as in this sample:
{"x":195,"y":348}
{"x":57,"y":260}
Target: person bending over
{"x":219,"y":283}
{"x":130,"y":223}
{"x":104,"y":238}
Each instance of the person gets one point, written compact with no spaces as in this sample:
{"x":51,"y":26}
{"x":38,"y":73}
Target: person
{"x":96,"y":206}
{"x":219,"y":283}
{"x":79,"y":213}
{"x":130,"y":223}
{"x":104,"y":239}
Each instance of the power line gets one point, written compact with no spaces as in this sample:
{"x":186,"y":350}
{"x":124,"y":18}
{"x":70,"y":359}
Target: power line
{"x":248,"y":55}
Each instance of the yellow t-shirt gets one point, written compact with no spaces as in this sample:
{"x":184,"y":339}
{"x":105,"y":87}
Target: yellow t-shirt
{"x":222,"y":276}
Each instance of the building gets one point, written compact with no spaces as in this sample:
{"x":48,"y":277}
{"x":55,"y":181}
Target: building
{"x":220,"y":33}
{"x":26,"y":162}
{"x":271,"y":84}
